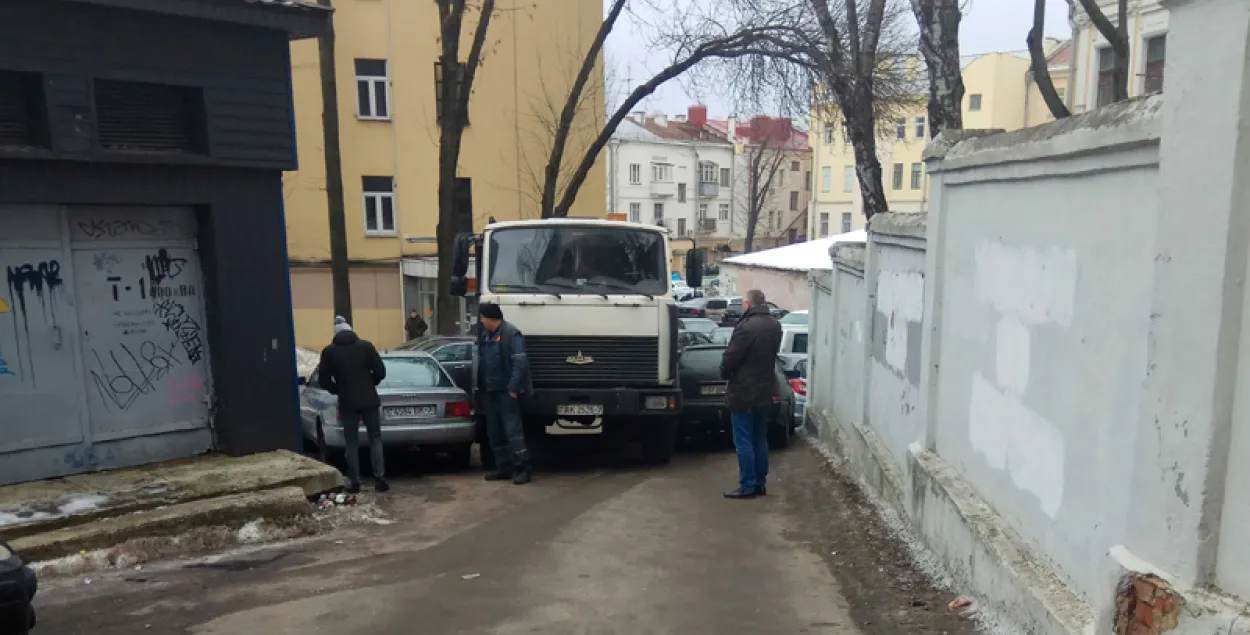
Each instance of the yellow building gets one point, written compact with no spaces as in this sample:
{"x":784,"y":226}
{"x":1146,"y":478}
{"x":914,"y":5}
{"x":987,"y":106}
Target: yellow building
{"x":997,"y":94}
{"x":386,"y":65}
{"x":1094,"y":61}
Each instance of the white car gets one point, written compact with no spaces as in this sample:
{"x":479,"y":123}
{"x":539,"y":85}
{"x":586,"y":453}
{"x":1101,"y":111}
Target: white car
{"x":794,"y":318}
{"x":793,"y":339}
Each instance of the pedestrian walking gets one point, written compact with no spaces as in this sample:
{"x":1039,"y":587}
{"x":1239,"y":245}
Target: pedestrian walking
{"x":415,"y":326}
{"x":352,"y":369}
{"x":750,"y":366}
{"x":504,"y":378}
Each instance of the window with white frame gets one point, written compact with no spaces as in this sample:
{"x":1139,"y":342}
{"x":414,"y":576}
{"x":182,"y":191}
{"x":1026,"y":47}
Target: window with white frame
{"x":919,"y":127}
{"x":794,"y":201}
{"x":824,"y":224}
{"x":659,"y":211}
{"x":897,"y":182}
{"x":772,"y":217}
{"x":1106,"y":76}
{"x":724,"y":177}
{"x":846,"y":222}
{"x":379,"y":204}
{"x":635,"y":212}
{"x":724,"y":211}
{"x":828,"y":134}
{"x":848,"y":179}
{"x":900,"y":128}
{"x":707,"y":172}
{"x":702,"y":211}
{"x":373,"y":91}
{"x":681,"y":227}
{"x":635,"y":174}
{"x":917,"y":176}
{"x":662,"y":172}
{"x":1156,"y":51}
{"x":826,"y":179}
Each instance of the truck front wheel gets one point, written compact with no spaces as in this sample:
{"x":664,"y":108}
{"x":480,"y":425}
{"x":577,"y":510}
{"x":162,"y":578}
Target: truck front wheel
{"x":659,"y":441}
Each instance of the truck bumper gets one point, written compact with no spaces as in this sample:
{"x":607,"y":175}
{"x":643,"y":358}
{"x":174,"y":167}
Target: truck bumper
{"x":616,"y":402}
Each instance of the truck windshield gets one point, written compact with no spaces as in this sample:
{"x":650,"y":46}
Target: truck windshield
{"x":571,"y":258}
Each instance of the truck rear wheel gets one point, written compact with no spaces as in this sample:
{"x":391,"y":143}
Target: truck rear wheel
{"x":659,"y":442}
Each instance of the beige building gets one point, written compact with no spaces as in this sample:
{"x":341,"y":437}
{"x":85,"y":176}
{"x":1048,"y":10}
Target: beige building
{"x":386,"y":66}
{"x":1091,"y":84}
{"x":998,"y":93}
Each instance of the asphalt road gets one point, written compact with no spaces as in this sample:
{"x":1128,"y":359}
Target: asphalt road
{"x":589,"y":550}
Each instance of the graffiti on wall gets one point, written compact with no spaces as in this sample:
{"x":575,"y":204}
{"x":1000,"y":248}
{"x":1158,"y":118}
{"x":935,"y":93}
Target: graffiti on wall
{"x":123,"y":374}
{"x":27,"y":283}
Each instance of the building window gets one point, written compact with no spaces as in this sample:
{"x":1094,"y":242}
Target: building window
{"x":826,"y":179}
{"x":135,"y":116}
{"x":794,"y":166}
{"x":22,"y":119}
{"x":824,"y":224}
{"x":681,"y":192}
{"x":1062,"y":94}
{"x":807,"y":180}
{"x":379,"y":194}
{"x":828,"y":134}
{"x":662,"y":172}
{"x":724,"y":211}
{"x":898,"y":176}
{"x":635,"y":174}
{"x":1156,"y":50}
{"x":848,"y":179}
{"x":772,"y":216}
{"x":373,"y":92}
{"x":659,"y":211}
{"x":707,"y":172}
{"x":724,"y":177}
{"x":846,"y":222}
{"x":1106,"y":75}
{"x":900,"y":128}
{"x":974,"y":102}
{"x":635,"y":212}
{"x":794,"y":201}
{"x":681,"y":227}
{"x":702,"y":211}
{"x":919,"y":127}
{"x":915,"y":176}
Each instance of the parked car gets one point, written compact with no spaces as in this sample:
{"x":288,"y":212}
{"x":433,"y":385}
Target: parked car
{"x":794,"y":318}
{"x":714,"y":309}
{"x":453,"y":352}
{"x":698,"y":325}
{"x":17,"y":590}
{"x":421,"y":406}
{"x":683,"y":293}
{"x":796,"y":376}
{"x":703,"y":396}
{"x":793,"y":340}
{"x":695,"y":307}
{"x":777,"y":311}
{"x":722,"y":334}
{"x":686,"y":339}
{"x":733,"y":311}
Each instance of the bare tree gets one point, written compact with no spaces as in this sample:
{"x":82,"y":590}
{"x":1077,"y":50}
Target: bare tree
{"x":340,"y":273}
{"x":1117,"y":36}
{"x":456,"y":86}
{"x":939,"y":43}
{"x":1041,"y":65}
{"x":761,"y":164}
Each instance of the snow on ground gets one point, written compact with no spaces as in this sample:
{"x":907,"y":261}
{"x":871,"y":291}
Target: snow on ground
{"x":67,"y":505}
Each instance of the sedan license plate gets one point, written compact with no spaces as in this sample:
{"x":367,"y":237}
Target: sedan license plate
{"x":718,"y":389}
{"x":579,"y":409}
{"x":409,"y":412}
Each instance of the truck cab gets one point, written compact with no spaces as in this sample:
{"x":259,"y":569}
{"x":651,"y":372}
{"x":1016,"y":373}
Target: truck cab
{"x":593,"y":300}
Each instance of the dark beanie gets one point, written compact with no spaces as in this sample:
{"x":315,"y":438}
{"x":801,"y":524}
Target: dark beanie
{"x":491,"y":311}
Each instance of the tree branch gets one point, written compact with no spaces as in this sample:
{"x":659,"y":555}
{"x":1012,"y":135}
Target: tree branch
{"x":1041,"y":66}
{"x":1117,"y":36}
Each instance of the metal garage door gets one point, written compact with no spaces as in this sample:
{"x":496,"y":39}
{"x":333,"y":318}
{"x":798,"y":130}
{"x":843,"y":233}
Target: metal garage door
{"x":103,"y":361}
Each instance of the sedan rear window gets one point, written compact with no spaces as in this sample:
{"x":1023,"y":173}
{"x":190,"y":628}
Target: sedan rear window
{"x":702,"y":358}
{"x":414,"y":372}
{"x":717,"y":304}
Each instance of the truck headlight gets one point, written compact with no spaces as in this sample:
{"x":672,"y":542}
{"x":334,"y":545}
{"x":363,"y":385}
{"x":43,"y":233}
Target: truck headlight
{"x":655,"y":403}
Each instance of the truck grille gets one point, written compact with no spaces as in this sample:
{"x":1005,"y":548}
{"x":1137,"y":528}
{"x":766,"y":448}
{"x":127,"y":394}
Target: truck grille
{"x":618,"y":361}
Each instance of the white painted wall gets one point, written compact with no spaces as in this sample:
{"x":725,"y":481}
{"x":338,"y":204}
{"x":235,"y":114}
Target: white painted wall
{"x":849,"y":333}
{"x":787,"y":289}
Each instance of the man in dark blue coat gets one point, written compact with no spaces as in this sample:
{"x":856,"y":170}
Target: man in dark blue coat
{"x":504,"y":379}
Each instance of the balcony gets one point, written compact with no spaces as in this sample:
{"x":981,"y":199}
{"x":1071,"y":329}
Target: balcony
{"x":709,"y":190}
{"x":663,"y":190}
{"x":705,"y":226}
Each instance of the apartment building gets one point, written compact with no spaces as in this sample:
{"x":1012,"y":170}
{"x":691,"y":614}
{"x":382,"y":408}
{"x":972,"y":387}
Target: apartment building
{"x":772,"y":151}
{"x":388,"y":73}
{"x":998,"y":93}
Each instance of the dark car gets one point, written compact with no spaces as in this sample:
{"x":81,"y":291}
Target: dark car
{"x":453,"y":353}
{"x":733,"y":312}
{"x":17,"y":591}
{"x":703,"y":396}
{"x":695,"y":308}
{"x":686,"y":339}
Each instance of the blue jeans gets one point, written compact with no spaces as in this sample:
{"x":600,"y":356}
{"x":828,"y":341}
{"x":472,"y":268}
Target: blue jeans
{"x":504,"y":429}
{"x":751,"y":441}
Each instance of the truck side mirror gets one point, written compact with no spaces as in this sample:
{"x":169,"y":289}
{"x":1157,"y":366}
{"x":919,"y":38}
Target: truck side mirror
{"x":460,"y":264}
{"x":694,"y":268}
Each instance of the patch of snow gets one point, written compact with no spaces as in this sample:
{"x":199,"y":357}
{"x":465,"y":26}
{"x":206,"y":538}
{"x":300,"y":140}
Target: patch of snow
{"x":805,"y":256}
{"x":79,"y":503}
{"x":306,"y":361}
{"x":10,"y":518}
{"x":252,"y":531}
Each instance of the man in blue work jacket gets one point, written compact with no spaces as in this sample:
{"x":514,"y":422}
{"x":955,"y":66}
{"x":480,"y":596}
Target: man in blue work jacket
{"x":504,"y":379}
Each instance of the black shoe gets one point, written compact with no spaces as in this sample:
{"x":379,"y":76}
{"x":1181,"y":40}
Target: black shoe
{"x":522,"y":476}
{"x":380,"y":485}
{"x":742,"y":494}
{"x":761,"y":491}
{"x":353,"y":487}
{"x":499,"y":475}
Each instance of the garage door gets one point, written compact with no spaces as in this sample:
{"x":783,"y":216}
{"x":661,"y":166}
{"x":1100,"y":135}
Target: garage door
{"x":103,"y":361}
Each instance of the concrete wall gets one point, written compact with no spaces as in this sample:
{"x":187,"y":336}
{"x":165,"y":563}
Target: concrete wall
{"x":1064,"y":424}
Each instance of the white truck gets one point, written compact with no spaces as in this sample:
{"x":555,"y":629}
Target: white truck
{"x":594,"y":302}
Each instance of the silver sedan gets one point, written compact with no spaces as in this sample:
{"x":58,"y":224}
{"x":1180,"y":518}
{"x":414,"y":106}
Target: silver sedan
{"x":421,"y":406}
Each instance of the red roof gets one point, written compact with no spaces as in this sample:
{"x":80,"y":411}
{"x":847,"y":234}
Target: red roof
{"x":796,"y":139}
{"x":681,"y":131}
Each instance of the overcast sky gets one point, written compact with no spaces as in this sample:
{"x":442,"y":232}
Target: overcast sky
{"x":988,"y":25}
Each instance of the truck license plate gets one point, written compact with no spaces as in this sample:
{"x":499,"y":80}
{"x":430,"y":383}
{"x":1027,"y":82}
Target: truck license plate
{"x":407,"y":412}
{"x":579,"y":409}
{"x":718,"y":389}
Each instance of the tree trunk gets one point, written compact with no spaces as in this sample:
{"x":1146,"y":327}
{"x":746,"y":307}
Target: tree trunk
{"x":339,"y":269}
{"x":862,"y":131}
{"x":1117,"y":36}
{"x":1041,"y":66}
{"x":939,"y":43}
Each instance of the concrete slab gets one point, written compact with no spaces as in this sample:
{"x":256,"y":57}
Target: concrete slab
{"x":231,"y":511}
{"x":27,"y":509}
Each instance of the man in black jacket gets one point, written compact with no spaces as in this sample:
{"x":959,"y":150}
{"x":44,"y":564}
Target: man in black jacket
{"x":750,"y":366}
{"x":504,"y":377}
{"x":352,"y":369}
{"x":415,"y":326}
